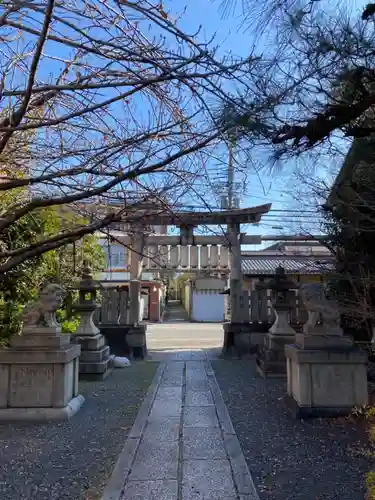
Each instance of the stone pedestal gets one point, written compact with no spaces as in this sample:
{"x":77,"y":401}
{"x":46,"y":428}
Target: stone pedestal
{"x":240,"y":339}
{"x":326,"y":382}
{"x":39,"y":371}
{"x":271,"y":361}
{"x":327,"y":376}
{"x":96,"y":361}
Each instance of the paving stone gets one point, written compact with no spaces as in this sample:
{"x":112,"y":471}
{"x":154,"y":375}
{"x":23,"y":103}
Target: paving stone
{"x":166,"y":429}
{"x":207,"y":480}
{"x":199,"y":398}
{"x":175,"y":365}
{"x":150,"y":490}
{"x":174,"y":368}
{"x":155,"y":460}
{"x":203,"y":443}
{"x":173,"y":372}
{"x":197,"y":385}
{"x":173,"y":393}
{"x":204,"y":416}
{"x":191,"y":376}
{"x":165,"y":408}
{"x":171,"y":381}
{"x":198,"y":355}
{"x":196,"y":372}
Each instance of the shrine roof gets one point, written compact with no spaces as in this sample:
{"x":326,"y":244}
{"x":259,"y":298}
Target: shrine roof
{"x":256,"y":266}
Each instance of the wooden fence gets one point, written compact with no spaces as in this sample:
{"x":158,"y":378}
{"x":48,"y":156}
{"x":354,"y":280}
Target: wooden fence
{"x":114,"y":309}
{"x":260,"y":310}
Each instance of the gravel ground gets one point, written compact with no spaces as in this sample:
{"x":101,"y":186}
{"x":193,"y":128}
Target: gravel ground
{"x":73,"y":460}
{"x":291,"y":459}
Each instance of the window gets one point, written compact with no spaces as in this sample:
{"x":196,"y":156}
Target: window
{"x":116,"y":256}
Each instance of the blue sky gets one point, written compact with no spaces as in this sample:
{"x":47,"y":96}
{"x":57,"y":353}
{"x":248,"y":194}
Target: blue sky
{"x":232,"y":36}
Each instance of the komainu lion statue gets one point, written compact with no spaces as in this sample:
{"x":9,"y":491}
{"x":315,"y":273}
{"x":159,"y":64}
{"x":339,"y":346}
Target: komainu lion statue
{"x":42,"y":313}
{"x":320,"y":307}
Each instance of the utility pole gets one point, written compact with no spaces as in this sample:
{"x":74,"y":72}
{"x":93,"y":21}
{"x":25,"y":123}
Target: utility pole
{"x":230,"y":176}
{"x":234,"y":234}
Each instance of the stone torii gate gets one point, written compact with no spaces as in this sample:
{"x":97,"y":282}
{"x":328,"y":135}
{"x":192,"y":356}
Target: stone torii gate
{"x":139,"y":238}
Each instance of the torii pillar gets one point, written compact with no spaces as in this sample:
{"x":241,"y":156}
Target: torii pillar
{"x":136,"y":336}
{"x":136,"y":260}
{"x":235,"y":272}
{"x":236,"y":331}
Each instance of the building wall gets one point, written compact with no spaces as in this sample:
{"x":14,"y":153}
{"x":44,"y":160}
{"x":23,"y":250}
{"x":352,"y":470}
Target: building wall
{"x":186,"y":296}
{"x":209,"y":283}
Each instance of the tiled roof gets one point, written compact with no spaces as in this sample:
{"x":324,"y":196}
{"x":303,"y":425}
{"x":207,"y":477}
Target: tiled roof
{"x":267,"y":266}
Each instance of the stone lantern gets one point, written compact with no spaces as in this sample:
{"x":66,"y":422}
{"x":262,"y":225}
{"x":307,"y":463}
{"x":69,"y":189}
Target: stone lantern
{"x":95,"y":362}
{"x":271,"y":359}
{"x":282,"y":301}
{"x":86,"y":306}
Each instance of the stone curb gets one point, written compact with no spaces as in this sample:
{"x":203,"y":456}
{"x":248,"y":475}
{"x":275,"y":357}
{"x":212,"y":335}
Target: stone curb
{"x":125,"y":460}
{"x":222,"y":412}
{"x":241,"y":474}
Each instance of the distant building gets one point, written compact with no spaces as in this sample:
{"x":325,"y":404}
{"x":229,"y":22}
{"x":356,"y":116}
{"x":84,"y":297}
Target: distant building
{"x":304,"y":262}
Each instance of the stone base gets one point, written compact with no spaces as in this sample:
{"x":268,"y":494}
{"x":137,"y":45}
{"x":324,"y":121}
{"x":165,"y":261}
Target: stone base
{"x":136,"y":339}
{"x":271,"y":361}
{"x":42,"y":414}
{"x":95,"y":362}
{"x":40,"y":382}
{"x":326,"y":382}
{"x":240,"y":339}
{"x":126,"y":340}
{"x":305,"y":412}
{"x":98,"y":370}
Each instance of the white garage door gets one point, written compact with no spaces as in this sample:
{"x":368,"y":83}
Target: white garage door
{"x":207,"y":306}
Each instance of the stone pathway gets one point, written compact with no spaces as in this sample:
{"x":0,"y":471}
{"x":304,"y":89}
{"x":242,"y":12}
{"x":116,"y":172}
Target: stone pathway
{"x":182,"y":445}
{"x":175,"y":312}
